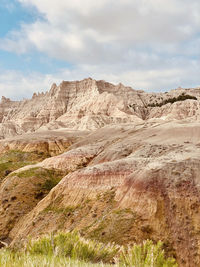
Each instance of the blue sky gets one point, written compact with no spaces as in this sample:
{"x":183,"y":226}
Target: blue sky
{"x":148,"y":44}
{"x":12,"y":16}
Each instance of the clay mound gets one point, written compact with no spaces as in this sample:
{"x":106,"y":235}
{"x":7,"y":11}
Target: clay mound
{"x":133,"y":188}
{"x":179,"y":110}
{"x":49,"y":143}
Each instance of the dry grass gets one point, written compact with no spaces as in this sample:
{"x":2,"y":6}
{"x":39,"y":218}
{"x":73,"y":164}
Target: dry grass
{"x":70,"y":249}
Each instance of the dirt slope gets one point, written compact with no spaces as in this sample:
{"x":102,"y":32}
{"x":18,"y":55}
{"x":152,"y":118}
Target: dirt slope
{"x":127,"y":183}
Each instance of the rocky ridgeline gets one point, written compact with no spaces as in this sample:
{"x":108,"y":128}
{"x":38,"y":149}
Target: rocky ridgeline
{"x":88,"y":105}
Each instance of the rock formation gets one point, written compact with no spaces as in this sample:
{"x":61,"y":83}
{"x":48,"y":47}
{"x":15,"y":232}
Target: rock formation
{"x":120,"y":165}
{"x":89,"y":105}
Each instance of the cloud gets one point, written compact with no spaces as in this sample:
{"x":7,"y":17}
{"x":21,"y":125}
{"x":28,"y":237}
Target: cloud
{"x":125,"y":20}
{"x":132,"y":40}
{"x":17,"y":85}
{"x":105,"y":27}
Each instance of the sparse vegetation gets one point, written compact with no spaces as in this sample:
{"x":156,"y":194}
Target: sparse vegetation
{"x":107,"y":196}
{"x":15,"y":159}
{"x":70,"y":249}
{"x":49,"y":178}
{"x":41,"y":172}
{"x":64,"y":211}
{"x":113,"y":226}
{"x":52,"y":177}
{"x":181,"y":97}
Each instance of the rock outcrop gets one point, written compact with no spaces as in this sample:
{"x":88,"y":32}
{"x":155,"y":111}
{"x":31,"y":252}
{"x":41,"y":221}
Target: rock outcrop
{"x":77,"y":105}
{"x":120,"y":165}
{"x":49,"y":143}
{"x":89,"y":105}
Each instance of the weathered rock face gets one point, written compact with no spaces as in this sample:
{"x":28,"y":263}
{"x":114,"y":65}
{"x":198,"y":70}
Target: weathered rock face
{"x":89,"y":104}
{"x":126,"y":185}
{"x":127,"y":171}
{"x":49,"y":143}
{"x":168,"y":201}
{"x":179,"y":110}
{"x":77,"y":105}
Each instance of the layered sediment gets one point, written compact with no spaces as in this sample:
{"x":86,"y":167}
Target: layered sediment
{"x":118,"y":165}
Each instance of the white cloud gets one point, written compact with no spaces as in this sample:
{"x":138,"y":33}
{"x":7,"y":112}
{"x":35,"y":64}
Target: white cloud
{"x":17,"y":85}
{"x":103,"y":25}
{"x":120,"y":20}
{"x":145,"y":43}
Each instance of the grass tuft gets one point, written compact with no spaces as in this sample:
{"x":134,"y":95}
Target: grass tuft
{"x":145,"y":255}
{"x":70,"y":249}
{"x":75,"y":247}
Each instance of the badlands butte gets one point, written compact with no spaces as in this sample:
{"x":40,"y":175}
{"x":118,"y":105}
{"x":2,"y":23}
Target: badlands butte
{"x":118,"y":164}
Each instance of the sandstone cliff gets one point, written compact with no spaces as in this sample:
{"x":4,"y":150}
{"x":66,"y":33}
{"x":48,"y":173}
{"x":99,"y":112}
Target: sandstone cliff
{"x":89,"y":105}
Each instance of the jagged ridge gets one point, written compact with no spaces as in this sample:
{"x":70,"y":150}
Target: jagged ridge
{"x":86,"y":104}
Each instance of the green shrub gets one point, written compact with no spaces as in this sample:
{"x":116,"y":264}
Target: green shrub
{"x":72,"y":245}
{"x":75,"y":247}
{"x":50,"y":183}
{"x":145,"y":255}
{"x":181,"y":97}
{"x":70,"y":249}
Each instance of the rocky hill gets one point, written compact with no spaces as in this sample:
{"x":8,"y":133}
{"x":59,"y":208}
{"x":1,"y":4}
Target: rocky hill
{"x":115,"y":163}
{"x":89,"y":105}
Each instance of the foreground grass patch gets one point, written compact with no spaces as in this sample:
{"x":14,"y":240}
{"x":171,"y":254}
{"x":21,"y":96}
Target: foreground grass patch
{"x":70,"y":249}
{"x":72,"y":245}
{"x":20,"y":259}
{"x":145,"y":255}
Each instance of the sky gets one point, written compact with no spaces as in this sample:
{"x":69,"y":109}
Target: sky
{"x":152,"y":45}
